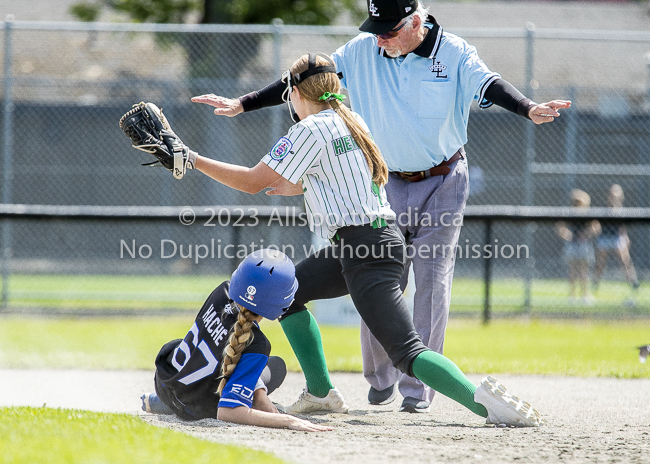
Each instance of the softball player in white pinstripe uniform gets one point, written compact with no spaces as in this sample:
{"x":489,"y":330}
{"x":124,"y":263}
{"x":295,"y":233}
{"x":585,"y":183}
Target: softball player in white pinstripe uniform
{"x":338,"y":187}
{"x":330,"y":157}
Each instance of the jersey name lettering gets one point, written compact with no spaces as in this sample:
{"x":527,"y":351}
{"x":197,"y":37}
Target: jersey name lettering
{"x":213,"y":325}
{"x":344,"y":144}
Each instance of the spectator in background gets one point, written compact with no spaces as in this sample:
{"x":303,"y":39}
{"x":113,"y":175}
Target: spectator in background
{"x":614,"y":239}
{"x":579,"y":249}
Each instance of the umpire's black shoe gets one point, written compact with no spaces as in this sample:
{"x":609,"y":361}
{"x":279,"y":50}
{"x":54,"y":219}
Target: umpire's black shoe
{"x":379,"y":397}
{"x":414,"y":405}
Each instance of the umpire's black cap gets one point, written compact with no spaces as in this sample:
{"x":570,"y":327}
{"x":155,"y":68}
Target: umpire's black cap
{"x":384,"y":15}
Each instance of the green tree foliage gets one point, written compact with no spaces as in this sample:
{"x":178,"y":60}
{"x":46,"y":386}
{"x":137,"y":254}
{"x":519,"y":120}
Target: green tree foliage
{"x":155,"y":11}
{"x":209,"y":54}
{"x":311,"y":12}
{"x":87,"y":12}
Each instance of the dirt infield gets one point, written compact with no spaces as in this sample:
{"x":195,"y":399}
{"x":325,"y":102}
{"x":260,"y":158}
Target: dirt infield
{"x":593,"y":420}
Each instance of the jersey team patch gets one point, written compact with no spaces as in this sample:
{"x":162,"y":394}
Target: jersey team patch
{"x":281,"y":149}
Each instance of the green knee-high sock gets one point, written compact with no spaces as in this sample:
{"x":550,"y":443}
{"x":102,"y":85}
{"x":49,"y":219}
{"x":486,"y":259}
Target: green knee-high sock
{"x":304,"y":336}
{"x":441,"y":374}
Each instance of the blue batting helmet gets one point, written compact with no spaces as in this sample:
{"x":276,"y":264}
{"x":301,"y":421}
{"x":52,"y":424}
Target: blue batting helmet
{"x":265,"y":283}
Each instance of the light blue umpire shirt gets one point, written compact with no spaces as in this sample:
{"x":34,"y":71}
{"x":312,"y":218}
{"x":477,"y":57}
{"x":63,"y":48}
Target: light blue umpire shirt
{"x":417,"y":106}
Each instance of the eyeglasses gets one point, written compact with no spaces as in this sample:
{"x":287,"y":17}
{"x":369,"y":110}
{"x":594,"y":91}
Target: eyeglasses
{"x":390,"y":34}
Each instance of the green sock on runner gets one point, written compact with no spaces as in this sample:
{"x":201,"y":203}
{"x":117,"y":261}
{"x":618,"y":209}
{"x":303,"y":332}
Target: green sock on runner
{"x":441,"y":374}
{"x":305,"y":339}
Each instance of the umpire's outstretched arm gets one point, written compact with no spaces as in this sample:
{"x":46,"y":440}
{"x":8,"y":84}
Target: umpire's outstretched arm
{"x":501,"y":92}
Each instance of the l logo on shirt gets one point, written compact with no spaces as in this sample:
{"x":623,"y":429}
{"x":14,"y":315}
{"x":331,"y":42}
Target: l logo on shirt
{"x":438,"y":68}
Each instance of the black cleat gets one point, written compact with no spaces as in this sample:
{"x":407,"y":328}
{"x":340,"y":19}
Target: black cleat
{"x":380,"y":397}
{"x":414,"y":405}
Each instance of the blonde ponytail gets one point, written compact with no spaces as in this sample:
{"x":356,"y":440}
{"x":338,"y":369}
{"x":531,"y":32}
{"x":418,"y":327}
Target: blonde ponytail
{"x":374,"y":158}
{"x":241,"y":336}
{"x":314,"y":87}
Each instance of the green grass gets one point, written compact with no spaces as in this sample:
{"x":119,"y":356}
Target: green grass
{"x":187,"y":292}
{"x":548,"y":297}
{"x":39,"y":435}
{"x":578,"y":348}
{"x":92,"y":343}
{"x":52,"y":436}
{"x":111,"y":292}
{"x":575,"y":348}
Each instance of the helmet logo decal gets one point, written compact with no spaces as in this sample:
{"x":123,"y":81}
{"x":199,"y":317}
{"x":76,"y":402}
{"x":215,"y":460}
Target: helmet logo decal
{"x":250,"y":291}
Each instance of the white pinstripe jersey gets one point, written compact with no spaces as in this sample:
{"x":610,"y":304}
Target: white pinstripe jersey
{"x":336,"y":179}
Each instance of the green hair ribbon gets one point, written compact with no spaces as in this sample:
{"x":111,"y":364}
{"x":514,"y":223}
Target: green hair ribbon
{"x":328,"y":97}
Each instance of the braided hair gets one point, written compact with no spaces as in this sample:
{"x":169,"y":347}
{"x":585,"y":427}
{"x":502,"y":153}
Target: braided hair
{"x":241,"y":336}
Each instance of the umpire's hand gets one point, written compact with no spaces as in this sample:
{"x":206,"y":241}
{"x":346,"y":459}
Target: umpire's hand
{"x":224,"y":106}
{"x":547,"y":112}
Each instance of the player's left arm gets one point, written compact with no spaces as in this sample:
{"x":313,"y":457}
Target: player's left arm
{"x":237,"y":403}
{"x":247,"y":416}
{"x":261,"y":401}
{"x":249,"y":180}
{"x":281,"y":157}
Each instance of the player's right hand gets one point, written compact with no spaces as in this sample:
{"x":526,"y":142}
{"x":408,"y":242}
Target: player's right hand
{"x":306,"y":426}
{"x":224,"y":106}
{"x":285,"y":188}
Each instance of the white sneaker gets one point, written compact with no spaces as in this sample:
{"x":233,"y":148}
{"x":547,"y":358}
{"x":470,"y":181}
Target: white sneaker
{"x":504,"y":408}
{"x":308,"y":403}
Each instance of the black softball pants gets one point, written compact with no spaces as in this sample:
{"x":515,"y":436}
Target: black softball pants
{"x":367,"y":264}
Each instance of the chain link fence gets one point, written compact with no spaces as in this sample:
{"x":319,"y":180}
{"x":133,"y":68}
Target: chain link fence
{"x":65,"y":86}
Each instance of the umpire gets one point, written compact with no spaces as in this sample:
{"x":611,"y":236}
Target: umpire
{"x":413,"y":84}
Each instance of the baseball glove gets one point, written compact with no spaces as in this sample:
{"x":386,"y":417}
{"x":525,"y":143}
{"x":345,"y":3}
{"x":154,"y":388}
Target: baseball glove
{"x":150,"y":131}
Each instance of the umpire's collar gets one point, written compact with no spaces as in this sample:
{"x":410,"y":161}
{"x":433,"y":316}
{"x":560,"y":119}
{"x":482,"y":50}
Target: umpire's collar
{"x":431,"y":43}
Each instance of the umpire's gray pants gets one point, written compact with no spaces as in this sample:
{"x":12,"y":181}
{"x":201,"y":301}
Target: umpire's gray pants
{"x":432,"y":253}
